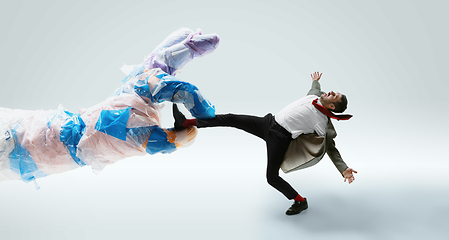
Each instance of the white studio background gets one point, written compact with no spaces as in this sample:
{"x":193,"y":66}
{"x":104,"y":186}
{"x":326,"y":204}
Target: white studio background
{"x":387,"y":56}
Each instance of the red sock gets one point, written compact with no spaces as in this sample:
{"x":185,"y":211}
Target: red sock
{"x":189,"y":122}
{"x":299,"y":198}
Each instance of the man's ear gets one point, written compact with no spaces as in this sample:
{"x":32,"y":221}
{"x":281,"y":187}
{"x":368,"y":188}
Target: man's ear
{"x":329,"y":106}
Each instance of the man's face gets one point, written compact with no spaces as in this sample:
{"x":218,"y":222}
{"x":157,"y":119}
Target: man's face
{"x":328,"y":99}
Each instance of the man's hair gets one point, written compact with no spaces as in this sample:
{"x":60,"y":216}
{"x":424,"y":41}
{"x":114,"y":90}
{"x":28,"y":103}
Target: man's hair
{"x":342,"y":105}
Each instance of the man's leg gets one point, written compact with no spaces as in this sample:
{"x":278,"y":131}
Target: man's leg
{"x":278,"y":141}
{"x":254,"y":125}
{"x":277,"y":145}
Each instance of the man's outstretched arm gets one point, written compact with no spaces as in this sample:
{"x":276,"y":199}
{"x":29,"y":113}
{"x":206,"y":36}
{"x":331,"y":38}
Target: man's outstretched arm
{"x":332,"y":151}
{"x":316,"y":87}
{"x":336,"y":158}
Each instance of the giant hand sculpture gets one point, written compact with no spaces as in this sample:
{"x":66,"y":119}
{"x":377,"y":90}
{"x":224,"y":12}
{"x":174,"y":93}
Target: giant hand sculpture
{"x":35,"y":144}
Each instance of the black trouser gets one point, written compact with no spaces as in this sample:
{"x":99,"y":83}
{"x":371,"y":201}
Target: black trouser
{"x":275,"y":136}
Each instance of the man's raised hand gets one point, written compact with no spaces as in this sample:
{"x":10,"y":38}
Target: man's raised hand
{"x":316,"y":76}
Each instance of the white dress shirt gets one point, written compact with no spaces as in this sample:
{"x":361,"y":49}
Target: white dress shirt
{"x":301,"y":117}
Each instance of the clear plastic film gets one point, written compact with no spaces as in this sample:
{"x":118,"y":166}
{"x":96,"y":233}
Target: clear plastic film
{"x":35,"y":144}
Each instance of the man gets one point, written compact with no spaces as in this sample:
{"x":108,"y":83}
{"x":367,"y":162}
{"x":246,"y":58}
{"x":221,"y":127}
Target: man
{"x":308,"y":115}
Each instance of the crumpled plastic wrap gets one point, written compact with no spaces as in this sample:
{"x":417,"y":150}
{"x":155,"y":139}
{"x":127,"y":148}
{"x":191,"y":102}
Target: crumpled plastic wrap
{"x":35,"y":144}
